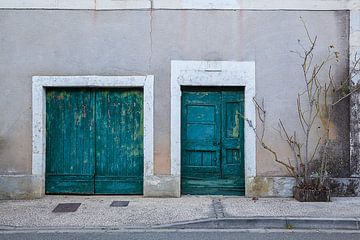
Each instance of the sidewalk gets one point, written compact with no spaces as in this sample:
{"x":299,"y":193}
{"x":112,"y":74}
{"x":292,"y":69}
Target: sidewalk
{"x":184,"y":212}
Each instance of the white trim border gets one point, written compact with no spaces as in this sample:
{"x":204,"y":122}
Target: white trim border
{"x":212,"y":73}
{"x":183,"y":4}
{"x":39,"y":84}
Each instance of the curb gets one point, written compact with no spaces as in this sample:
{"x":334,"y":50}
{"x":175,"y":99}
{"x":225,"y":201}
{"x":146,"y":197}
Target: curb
{"x":233,"y":223}
{"x":268,"y":223}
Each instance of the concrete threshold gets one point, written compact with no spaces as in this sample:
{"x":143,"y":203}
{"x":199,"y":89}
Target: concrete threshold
{"x":268,"y":223}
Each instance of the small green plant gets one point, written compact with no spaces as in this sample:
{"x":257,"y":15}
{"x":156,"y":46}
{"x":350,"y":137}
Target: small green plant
{"x":288,"y":226}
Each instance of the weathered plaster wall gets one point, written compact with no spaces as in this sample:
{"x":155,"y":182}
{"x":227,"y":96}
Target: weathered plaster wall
{"x":60,"y":43}
{"x":40,"y":42}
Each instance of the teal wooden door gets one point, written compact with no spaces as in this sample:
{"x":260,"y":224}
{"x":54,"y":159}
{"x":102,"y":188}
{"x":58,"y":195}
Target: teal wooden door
{"x":232,"y":143}
{"x":119,"y":142}
{"x":70,"y":139}
{"x":212,"y":159}
{"x":94,"y":141}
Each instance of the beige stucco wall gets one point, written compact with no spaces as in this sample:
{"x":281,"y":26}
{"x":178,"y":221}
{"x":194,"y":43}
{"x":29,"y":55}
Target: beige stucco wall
{"x":45,"y":42}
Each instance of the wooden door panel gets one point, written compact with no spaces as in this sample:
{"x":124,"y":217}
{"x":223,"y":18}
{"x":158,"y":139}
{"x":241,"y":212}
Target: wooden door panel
{"x":70,"y":141}
{"x":119,"y":142}
{"x":213,"y":187}
{"x":200,"y":140}
{"x":200,"y":113}
{"x":200,"y":164}
{"x":232,"y":139}
{"x":200,"y":158}
{"x":205,"y":145}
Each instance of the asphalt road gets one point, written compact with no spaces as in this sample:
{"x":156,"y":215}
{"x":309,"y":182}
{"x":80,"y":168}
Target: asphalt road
{"x":182,"y":235}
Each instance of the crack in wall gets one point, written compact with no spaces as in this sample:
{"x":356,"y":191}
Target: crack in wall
{"x":150,"y":33}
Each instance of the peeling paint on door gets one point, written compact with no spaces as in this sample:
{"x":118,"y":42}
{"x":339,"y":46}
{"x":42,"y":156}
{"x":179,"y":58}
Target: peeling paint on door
{"x":94,"y":141}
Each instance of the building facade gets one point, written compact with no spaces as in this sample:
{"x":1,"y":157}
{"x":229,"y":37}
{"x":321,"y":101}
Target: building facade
{"x":148,"y":96}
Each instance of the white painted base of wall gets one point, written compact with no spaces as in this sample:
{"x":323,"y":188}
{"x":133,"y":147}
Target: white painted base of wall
{"x":31,"y":186}
{"x":21,"y":186}
{"x":162,"y":186}
{"x":283,"y":187}
{"x":269,"y":186}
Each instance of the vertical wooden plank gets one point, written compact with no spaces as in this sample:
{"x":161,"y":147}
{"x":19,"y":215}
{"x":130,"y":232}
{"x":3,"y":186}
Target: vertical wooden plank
{"x":102,"y":131}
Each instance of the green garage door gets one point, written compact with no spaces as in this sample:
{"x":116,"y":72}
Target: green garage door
{"x":212,"y":144}
{"x":94,"y":141}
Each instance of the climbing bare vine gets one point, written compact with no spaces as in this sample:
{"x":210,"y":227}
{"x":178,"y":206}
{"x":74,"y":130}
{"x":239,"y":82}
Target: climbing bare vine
{"x":315,"y":106}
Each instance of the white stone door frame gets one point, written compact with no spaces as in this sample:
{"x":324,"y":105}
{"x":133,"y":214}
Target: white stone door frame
{"x":39,"y":85}
{"x":212,"y":73}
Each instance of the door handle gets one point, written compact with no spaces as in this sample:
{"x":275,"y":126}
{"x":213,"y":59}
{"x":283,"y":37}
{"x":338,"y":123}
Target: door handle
{"x":216,"y":143}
